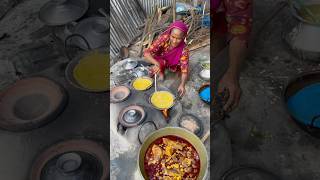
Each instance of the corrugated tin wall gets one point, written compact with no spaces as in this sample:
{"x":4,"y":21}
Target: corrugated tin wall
{"x":126,"y":17}
{"x":149,"y":5}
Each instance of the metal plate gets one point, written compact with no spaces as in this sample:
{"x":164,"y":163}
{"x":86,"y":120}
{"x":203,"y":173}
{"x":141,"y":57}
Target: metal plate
{"x":130,"y":64}
{"x":60,"y":12}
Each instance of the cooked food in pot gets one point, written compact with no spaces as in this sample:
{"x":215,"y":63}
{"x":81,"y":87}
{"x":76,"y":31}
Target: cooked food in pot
{"x":171,"y":157}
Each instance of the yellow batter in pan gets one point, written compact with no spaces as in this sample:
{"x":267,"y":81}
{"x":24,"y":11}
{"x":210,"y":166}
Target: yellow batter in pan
{"x":142,"y":83}
{"x":162,"y":99}
{"x":92,"y":71}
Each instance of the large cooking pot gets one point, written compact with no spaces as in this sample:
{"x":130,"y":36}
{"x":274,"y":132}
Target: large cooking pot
{"x":182,"y":133}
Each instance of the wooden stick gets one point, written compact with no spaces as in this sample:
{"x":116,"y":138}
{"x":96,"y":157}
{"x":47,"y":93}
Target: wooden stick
{"x":151,"y":25}
{"x":155,"y":82}
{"x":174,"y":10}
{"x":159,"y":15}
{"x":143,"y":37}
{"x":205,"y":137}
{"x":200,"y":45}
{"x":192,"y":20}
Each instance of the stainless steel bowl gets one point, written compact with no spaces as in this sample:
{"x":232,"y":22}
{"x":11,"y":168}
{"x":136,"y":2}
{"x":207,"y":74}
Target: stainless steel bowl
{"x":130,"y":64}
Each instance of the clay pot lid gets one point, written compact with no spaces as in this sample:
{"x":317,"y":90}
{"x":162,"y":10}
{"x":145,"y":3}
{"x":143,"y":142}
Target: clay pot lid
{"x":119,"y":94}
{"x":30,"y":103}
{"x":132,"y":116}
{"x":86,"y":159}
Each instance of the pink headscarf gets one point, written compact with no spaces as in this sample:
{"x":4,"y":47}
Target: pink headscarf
{"x":215,"y":4}
{"x":173,"y":56}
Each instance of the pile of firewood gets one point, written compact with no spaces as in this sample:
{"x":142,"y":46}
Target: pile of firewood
{"x":161,"y":18}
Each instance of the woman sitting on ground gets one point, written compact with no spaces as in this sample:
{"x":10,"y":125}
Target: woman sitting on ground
{"x":169,"y":52}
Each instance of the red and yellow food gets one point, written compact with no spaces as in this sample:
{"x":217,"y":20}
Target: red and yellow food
{"x":171,"y":157}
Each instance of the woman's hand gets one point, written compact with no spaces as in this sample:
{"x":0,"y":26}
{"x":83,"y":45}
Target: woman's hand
{"x":155,"y":69}
{"x":230,"y":83}
{"x":181,"y":90}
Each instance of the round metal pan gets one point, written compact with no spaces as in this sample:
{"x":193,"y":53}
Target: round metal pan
{"x":69,"y":74}
{"x":142,"y":77}
{"x":161,"y":109}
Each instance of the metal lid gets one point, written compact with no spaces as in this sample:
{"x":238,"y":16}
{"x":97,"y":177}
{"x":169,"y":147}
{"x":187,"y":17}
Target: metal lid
{"x":79,"y":159}
{"x":94,"y":30}
{"x":60,"y":12}
{"x":73,"y":165}
{"x":68,"y":162}
{"x":132,"y":116}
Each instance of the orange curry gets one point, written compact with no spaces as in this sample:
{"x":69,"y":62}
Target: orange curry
{"x":171,"y":157}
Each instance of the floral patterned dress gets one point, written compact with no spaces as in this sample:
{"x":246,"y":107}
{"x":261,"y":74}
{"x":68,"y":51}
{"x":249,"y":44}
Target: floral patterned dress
{"x":234,"y":18}
{"x":161,"y":46}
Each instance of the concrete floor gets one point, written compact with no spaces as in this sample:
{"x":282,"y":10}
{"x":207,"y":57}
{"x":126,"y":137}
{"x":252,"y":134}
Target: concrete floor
{"x":85,"y":114}
{"x":262,"y":133}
